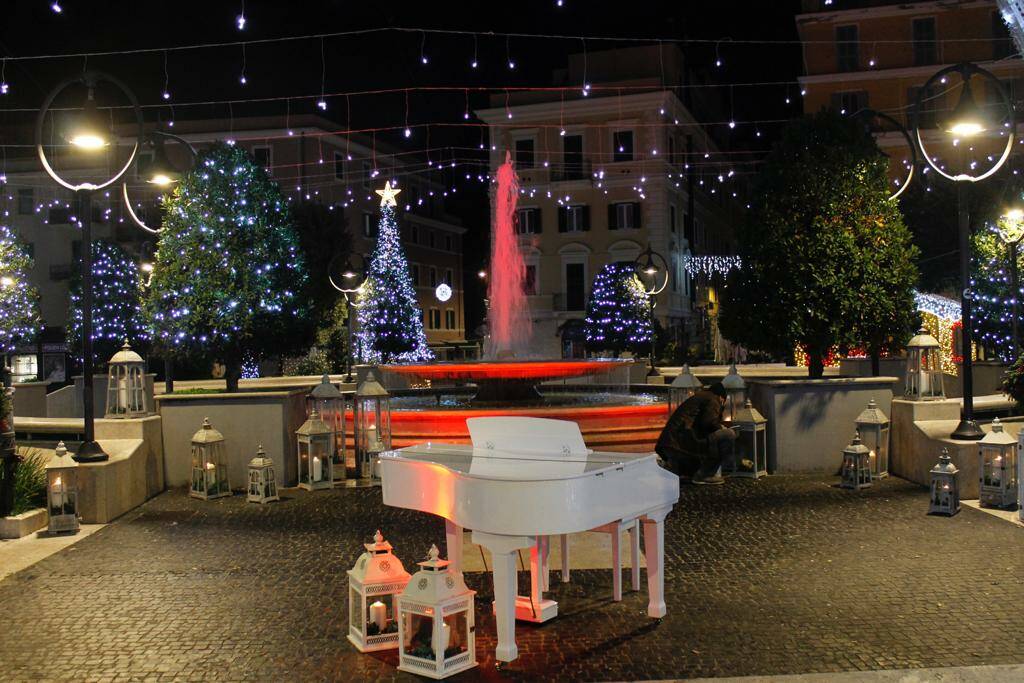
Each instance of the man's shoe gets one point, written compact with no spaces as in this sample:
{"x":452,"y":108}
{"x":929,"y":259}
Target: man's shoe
{"x":714,"y":480}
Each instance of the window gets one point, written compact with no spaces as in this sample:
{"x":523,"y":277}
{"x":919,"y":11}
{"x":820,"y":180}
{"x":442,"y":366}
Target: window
{"x":622,"y":141}
{"x":26,"y":201}
{"x":575,"y":218}
{"x":449,"y":319}
{"x":572,"y":157}
{"x":434,"y":321}
{"x":524,"y":153}
{"x":263,"y":156}
{"x":624,"y":216}
{"x":448,"y":276}
{"x":925,"y":47}
{"x":575,"y":292}
{"x":430,"y":239}
{"x":414,"y":273}
{"x":530,"y":280}
{"x":447,"y":242}
{"x":847,"y":49}
{"x":1002,"y":46}
{"x":367,"y":225}
{"x":849,"y":102}
{"x":930,"y":104}
{"x":433,"y":277}
{"x":528,"y":221}
{"x":339,"y":166}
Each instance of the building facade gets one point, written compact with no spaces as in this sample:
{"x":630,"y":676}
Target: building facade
{"x":307,"y":159}
{"x":605,"y":175}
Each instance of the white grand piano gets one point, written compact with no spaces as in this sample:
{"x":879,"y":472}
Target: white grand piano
{"x":525,"y":479}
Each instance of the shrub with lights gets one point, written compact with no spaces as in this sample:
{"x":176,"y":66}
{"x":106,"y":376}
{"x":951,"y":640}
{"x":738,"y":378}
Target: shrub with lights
{"x":390,"y":318}
{"x":618,"y":314}
{"x":117,"y":304}
{"x":19,"y":300}
{"x":229,"y":276}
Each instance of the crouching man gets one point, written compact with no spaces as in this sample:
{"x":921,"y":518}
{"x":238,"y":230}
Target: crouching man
{"x":694,"y":442}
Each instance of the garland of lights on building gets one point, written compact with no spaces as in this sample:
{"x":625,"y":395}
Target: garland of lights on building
{"x":389,"y":315}
{"x":618,"y":313}
{"x":709,"y":264}
{"x":19,"y":300}
{"x":117,"y":304}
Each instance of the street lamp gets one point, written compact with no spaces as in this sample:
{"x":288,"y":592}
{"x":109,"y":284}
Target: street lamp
{"x":966,"y":121}
{"x":868,"y":116}
{"x":353,"y":277}
{"x":647,"y":265}
{"x":88,"y":131}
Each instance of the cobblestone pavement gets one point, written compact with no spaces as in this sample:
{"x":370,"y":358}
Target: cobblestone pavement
{"x":782,"y":575}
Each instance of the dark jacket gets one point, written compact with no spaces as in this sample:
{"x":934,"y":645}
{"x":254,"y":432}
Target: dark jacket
{"x":690,"y":425}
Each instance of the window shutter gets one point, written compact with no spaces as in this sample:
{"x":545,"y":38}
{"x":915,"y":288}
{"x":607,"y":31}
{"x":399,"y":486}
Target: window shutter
{"x":612,"y":216}
{"x":537,"y":227}
{"x":562,"y":218}
{"x":586,"y":217}
{"x":637,"y":223}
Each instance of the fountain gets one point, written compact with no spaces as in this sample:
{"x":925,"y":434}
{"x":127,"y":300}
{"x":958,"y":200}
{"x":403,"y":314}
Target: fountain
{"x":506,"y":381}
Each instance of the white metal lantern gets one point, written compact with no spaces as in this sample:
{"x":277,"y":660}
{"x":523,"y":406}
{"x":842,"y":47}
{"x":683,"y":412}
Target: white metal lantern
{"x":316,"y":454}
{"x":436,"y":628}
{"x":262,"y":483}
{"x":735,"y":393}
{"x":945,"y":489}
{"x":856,"y":470}
{"x":329,"y":402}
{"x":209,"y":464}
{"x":1020,"y":476}
{"x":374,"y":584}
{"x":126,"y":384}
{"x":751,"y":443}
{"x":372,"y":418}
{"x":924,"y":368}
{"x":62,"y":492}
{"x":997,"y":468}
{"x":683,"y":387}
{"x":873,"y":427}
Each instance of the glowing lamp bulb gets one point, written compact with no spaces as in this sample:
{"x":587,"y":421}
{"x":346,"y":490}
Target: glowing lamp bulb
{"x":161,"y":179}
{"x":88,"y":141}
{"x":966,"y":129}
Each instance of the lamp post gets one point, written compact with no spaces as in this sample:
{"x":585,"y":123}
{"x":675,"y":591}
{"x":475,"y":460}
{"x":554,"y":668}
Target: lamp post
{"x":967,"y":121}
{"x":647,"y":266}
{"x":353,"y":278}
{"x":161,"y":173}
{"x":88,"y":132}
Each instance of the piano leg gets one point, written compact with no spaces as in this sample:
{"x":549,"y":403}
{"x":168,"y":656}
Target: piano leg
{"x":654,"y":549}
{"x":503,"y":553}
{"x":453,"y":544}
{"x":537,"y":572}
{"x":616,"y":563}
{"x":545,"y":549}
{"x":565,"y":557}
{"x":634,"y":553}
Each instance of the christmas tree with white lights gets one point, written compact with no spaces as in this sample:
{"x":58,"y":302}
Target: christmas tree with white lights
{"x":390,"y":319}
{"x":618,"y":313}
{"x":229,"y":280}
{"x":116,"y":304}
{"x":19,"y":300}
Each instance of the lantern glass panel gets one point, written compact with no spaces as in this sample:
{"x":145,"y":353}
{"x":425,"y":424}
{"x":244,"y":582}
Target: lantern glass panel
{"x":749,"y":451}
{"x":380,"y":614}
{"x":677,"y":396}
{"x":62,"y":493}
{"x":419,"y":636}
{"x":455,"y":630}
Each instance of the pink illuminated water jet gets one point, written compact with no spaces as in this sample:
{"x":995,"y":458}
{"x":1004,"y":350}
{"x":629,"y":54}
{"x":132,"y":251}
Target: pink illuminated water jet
{"x":508,"y":316}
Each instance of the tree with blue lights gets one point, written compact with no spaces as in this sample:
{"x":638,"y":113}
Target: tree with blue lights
{"x":19,"y":300}
{"x":618,"y":313}
{"x":390,"y":319}
{"x":229,"y":277}
{"x":117,"y":304}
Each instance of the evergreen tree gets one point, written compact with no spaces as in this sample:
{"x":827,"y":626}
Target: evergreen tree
{"x":19,"y":300}
{"x":618,"y":313}
{"x":992,"y":293}
{"x":229,"y":275}
{"x":116,"y":304}
{"x":390,"y":319}
{"x":827,"y":259}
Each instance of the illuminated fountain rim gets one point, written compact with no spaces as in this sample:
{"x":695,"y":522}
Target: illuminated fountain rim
{"x":508,"y":380}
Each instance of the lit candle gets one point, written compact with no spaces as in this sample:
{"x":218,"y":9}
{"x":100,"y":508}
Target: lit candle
{"x":56,"y":484}
{"x":122,"y":393}
{"x":318,"y":469}
{"x":871,"y":460}
{"x":373,"y":444}
{"x":211,"y":475}
{"x":446,"y":635}
{"x":379,"y":615}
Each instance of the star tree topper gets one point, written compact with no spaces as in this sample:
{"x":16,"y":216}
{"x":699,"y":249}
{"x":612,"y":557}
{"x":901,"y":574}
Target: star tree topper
{"x":388,"y":194}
